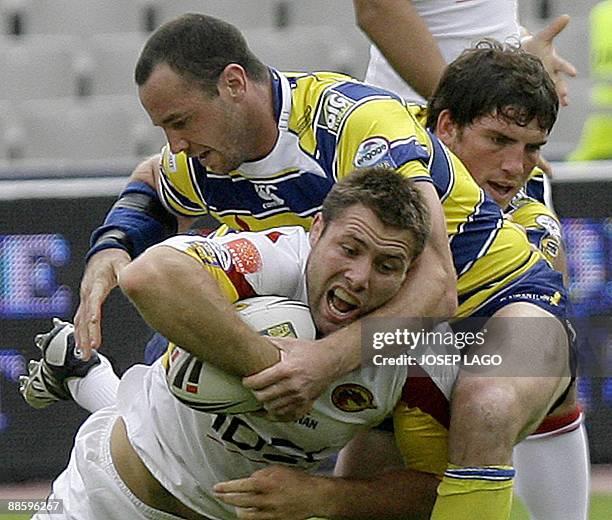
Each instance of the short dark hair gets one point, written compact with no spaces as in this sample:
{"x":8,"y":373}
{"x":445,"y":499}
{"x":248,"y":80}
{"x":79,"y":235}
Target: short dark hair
{"x":392,"y":197}
{"x":198,"y":47}
{"x":495,"y":78}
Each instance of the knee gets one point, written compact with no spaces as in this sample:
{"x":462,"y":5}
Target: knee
{"x":489,"y":406}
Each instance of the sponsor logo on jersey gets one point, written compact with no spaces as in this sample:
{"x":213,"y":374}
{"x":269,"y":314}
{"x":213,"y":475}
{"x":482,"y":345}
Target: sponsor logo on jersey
{"x":549,"y":224}
{"x":187,"y":377}
{"x":334,"y":110}
{"x":552,"y":300}
{"x":308,"y":422}
{"x":245,"y":256}
{"x":210,"y":253}
{"x":351,"y":397}
{"x":266,"y":193}
{"x":370,"y":152}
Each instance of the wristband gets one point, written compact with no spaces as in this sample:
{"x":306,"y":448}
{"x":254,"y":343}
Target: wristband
{"x":135,"y":222}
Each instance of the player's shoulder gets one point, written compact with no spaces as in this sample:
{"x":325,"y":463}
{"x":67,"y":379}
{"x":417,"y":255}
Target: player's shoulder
{"x":280,"y":237}
{"x":533,"y":214}
{"x":535,"y":187}
{"x":319,"y":86}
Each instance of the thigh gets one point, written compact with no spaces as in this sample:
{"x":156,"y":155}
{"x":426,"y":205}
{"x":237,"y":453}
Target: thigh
{"x":492,"y":407}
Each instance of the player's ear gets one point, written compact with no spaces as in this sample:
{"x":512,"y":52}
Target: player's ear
{"x":316,"y":229}
{"x":233,"y":81}
{"x":446,"y":128}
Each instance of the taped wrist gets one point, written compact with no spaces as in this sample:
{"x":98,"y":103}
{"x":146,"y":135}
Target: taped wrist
{"x":135,"y":222}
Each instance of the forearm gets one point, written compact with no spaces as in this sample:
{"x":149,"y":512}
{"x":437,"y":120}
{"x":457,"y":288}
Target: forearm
{"x":178,"y":298}
{"x":394,"y":494}
{"x":138,"y":219}
{"x":404,"y":39}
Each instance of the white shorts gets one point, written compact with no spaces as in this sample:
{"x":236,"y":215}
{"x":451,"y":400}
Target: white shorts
{"x":90,"y":487}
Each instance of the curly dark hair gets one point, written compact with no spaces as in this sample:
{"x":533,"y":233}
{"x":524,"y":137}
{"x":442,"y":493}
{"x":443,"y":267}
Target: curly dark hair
{"x":495,"y":78}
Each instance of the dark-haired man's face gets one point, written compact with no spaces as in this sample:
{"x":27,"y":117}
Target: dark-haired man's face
{"x":499,"y":154}
{"x":357,"y":264}
{"x":203,"y":126}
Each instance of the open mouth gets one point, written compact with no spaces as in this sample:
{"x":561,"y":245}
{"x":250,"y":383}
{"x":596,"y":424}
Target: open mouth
{"x":341,"y":304}
{"x":502,"y":190}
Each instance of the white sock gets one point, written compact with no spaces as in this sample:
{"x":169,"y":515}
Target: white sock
{"x":97,"y":389}
{"x":552,"y":475}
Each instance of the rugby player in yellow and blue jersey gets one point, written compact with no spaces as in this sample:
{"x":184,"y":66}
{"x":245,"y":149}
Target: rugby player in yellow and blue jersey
{"x":255,"y":142}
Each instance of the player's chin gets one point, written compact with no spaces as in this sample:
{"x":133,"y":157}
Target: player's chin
{"x":216,"y":163}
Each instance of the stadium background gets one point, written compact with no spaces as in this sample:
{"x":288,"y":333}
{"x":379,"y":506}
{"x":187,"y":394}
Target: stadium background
{"x":71,"y":129}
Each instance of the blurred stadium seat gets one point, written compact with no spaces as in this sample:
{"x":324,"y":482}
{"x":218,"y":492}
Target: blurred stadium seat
{"x":113,"y":58}
{"x":96,"y":127}
{"x":311,"y":48}
{"x":36,"y":67}
{"x":242,"y":13}
{"x":336,"y":13}
{"x":10,"y":132}
{"x":79,"y":17}
{"x":68,"y":48}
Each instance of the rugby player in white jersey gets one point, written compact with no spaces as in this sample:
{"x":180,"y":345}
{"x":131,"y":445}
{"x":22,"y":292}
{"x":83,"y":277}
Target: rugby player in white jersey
{"x":413,"y":40}
{"x":150,"y":456}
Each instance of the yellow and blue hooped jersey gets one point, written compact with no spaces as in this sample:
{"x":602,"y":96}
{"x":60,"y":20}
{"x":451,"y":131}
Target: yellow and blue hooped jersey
{"x":329,"y":125}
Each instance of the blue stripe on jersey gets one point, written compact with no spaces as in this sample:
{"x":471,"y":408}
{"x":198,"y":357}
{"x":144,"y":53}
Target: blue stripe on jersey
{"x":535,"y":189}
{"x":476,"y":235}
{"x":535,"y":236}
{"x":405,"y":151}
{"x":297,"y":192}
{"x":277,"y":96}
{"x":326,"y":150}
{"x":541,"y":285}
{"x":441,"y":170}
{"x":359,"y":91}
{"x":462,"y":298}
{"x":497,"y":474}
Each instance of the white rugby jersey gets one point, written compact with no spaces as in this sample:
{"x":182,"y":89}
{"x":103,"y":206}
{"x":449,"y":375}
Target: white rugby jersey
{"x":455,"y":25}
{"x":189,"y":451}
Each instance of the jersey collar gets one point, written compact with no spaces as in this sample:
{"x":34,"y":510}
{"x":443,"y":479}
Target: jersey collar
{"x":281,"y":92}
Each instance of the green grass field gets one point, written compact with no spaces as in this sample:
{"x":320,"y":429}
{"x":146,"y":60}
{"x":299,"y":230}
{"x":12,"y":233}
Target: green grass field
{"x":601,"y":509}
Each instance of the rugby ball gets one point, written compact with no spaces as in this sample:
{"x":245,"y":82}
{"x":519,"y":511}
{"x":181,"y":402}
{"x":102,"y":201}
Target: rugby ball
{"x":206,"y":388}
